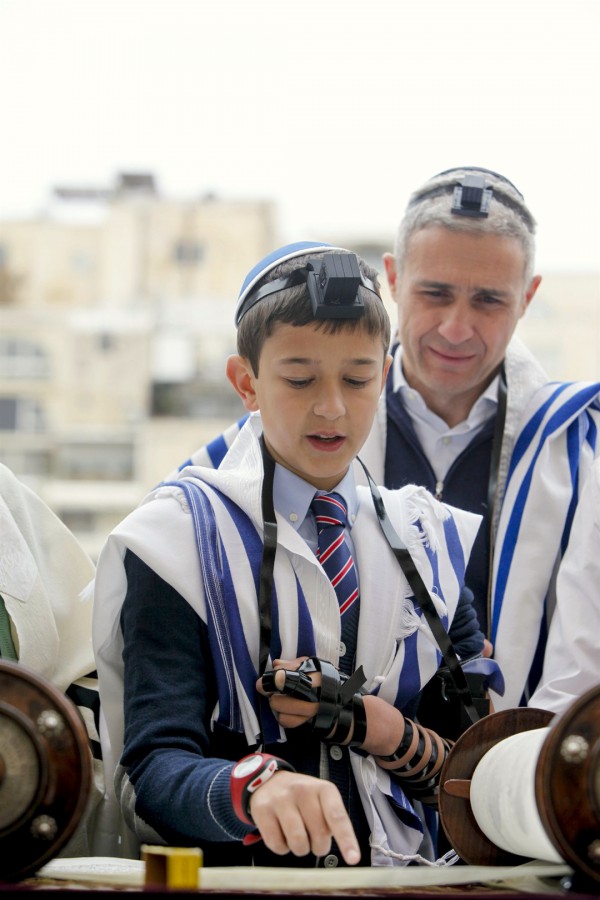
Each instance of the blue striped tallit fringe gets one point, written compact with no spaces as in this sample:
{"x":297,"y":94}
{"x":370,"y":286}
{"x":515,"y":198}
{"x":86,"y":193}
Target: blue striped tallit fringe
{"x":235,"y":669}
{"x":567,"y":410}
{"x":455,"y":549}
{"x":404,"y":807}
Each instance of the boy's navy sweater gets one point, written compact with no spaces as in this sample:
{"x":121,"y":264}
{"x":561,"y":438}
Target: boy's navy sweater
{"x":167,"y":737}
{"x":170,"y":694}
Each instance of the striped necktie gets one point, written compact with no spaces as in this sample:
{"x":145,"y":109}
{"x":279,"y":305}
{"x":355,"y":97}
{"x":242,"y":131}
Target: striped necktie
{"x":331,"y":517}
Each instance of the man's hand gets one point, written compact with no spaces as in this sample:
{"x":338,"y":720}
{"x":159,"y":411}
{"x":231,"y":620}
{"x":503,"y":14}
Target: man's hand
{"x":300,"y":814}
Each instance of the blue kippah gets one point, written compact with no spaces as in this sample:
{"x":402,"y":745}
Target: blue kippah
{"x":289,"y":251}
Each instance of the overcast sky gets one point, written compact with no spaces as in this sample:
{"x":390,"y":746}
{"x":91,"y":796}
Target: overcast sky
{"x":333,"y":109}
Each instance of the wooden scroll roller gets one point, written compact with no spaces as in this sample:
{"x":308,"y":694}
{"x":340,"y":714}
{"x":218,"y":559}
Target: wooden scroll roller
{"x":45,"y":771}
{"x":515,"y":787}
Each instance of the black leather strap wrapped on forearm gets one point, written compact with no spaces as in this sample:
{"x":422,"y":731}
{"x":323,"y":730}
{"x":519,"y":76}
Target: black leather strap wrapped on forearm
{"x":418,"y":761}
{"x":351,"y":728}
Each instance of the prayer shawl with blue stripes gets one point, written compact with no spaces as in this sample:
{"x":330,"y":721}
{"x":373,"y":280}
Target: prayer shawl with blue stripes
{"x":549,"y":441}
{"x":170,"y":531}
{"x":572,"y":660}
{"x":551,"y":459}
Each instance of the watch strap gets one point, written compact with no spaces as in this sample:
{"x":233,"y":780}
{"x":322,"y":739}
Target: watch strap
{"x":243,"y":786}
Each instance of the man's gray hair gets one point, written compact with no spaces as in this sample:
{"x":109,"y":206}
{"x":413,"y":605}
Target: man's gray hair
{"x":431,"y":205}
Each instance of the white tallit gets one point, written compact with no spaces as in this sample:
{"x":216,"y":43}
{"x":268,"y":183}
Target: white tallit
{"x":43,"y":572}
{"x":572,"y":660}
{"x":557,"y":443}
{"x":161,"y":533}
{"x":44,"y":580}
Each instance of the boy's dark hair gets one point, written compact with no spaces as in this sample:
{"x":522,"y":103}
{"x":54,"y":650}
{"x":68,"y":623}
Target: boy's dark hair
{"x":292,"y":306}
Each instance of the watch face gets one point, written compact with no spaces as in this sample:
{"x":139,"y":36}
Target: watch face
{"x":247,"y":766}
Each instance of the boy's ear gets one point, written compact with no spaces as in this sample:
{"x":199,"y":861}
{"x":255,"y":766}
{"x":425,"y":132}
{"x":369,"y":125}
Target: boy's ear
{"x":239,"y":371}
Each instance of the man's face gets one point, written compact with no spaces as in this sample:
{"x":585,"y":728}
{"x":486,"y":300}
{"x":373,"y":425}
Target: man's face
{"x":317,"y":394}
{"x":460,"y":296}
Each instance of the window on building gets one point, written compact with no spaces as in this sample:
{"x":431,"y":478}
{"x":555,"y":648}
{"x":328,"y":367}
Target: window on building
{"x":187,"y":252}
{"x":24,"y":461}
{"x":78,"y":521}
{"x":95,"y":462}
{"x":106,"y":342}
{"x":23,"y":359}
{"x":192,"y":400}
{"x":81,"y":262}
{"x":21,"y":414}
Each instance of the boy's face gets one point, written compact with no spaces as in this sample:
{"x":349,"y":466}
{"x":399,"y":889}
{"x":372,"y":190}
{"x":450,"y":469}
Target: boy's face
{"x":317,"y":394}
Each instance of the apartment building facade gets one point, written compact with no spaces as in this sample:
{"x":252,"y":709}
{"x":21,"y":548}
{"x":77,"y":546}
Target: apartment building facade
{"x":117,"y":315}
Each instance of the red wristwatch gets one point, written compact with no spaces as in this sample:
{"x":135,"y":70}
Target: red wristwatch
{"x":247,"y":775}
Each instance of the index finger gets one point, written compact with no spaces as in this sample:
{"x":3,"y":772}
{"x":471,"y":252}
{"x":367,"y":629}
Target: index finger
{"x":341,"y":828}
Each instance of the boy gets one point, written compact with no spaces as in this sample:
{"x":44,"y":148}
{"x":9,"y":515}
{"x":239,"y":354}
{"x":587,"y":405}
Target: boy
{"x":262,"y":719}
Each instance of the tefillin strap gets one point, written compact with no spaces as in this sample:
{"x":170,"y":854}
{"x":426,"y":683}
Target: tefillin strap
{"x":265,"y":590}
{"x":494,"y":471}
{"x":421,"y":594}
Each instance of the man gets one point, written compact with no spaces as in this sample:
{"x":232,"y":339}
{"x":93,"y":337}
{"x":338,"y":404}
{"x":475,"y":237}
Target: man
{"x":461,"y":388}
{"x":462,"y":277}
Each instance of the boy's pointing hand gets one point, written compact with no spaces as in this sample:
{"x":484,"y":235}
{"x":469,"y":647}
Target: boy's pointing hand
{"x":300,"y":814}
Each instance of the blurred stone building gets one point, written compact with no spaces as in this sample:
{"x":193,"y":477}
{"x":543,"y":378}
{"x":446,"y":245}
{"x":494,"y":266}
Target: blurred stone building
{"x":117,"y":313}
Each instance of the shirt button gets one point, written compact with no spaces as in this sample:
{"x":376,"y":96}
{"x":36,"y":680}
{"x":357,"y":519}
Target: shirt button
{"x":336,"y":752}
{"x":330,"y":861}
{"x":446,"y":440}
{"x":293,"y":517}
{"x":342,"y":648}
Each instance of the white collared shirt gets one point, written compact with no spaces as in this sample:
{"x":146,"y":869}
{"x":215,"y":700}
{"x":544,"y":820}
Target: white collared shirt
{"x":442,"y":444}
{"x":292,"y":497}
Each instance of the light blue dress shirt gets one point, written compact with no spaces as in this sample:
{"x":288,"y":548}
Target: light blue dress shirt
{"x":292,"y":497}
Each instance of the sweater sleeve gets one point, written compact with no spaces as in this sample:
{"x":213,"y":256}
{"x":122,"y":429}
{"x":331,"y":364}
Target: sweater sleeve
{"x":168,"y":782}
{"x":465,"y":632}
